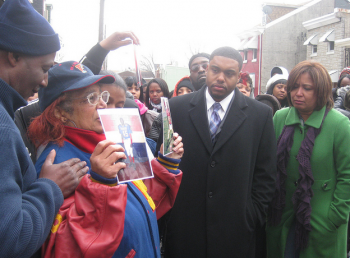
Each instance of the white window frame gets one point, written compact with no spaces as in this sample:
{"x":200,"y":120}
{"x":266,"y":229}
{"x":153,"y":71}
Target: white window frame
{"x":329,"y":50}
{"x":313,"y":52}
{"x":255,"y":55}
{"x":245,"y":56}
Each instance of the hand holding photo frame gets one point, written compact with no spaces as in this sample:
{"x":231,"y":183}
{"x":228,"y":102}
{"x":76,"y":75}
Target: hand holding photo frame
{"x":124,"y":127}
{"x":168,"y":131}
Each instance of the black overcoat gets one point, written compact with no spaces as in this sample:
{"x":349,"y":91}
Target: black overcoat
{"x":225,"y":188}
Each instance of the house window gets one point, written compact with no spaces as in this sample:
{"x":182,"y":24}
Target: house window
{"x":314,"y":50}
{"x":255,"y":54}
{"x":48,"y":12}
{"x":245,"y":56}
{"x":347,"y":57}
{"x":330,"y":46}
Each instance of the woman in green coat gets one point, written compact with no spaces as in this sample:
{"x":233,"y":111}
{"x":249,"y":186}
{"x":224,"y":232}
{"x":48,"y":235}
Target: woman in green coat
{"x":308,"y":216}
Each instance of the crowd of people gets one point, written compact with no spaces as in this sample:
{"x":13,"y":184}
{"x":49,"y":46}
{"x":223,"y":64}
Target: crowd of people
{"x":263,"y":176}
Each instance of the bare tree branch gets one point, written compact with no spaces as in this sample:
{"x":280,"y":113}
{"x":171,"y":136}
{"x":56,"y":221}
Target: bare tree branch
{"x":147,"y":64}
{"x":193,"y":50}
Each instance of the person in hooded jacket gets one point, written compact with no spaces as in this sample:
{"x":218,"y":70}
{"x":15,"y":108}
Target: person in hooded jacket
{"x":183,"y":86}
{"x":277,"y":86}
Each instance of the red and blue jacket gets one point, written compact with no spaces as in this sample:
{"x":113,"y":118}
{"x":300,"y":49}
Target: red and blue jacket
{"x":102,"y":219}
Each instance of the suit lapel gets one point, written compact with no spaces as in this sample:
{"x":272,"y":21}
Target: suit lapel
{"x":198,"y":115}
{"x":233,"y":121}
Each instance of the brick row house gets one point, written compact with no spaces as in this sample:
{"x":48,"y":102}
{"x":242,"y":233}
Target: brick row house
{"x":289,"y":34}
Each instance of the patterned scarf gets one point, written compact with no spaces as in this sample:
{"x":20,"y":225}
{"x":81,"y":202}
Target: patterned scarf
{"x":303,"y":194}
{"x":156,"y":107}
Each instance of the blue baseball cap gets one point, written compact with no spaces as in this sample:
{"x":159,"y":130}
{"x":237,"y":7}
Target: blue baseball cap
{"x":68,"y":76}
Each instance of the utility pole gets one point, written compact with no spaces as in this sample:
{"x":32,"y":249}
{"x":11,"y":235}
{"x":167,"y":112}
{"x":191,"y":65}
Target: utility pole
{"x":101,"y":28}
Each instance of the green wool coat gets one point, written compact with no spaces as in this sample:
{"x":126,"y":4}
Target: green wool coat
{"x":330,"y":163}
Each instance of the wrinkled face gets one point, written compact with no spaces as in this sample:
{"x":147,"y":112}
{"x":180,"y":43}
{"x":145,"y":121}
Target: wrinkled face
{"x":246,"y":90}
{"x":84,"y":114}
{"x":280,"y":91}
{"x":198,"y":71}
{"x":31,"y":74}
{"x":303,"y":95}
{"x":117,"y":95}
{"x":155,"y":93}
{"x":135,"y":91}
{"x":345,"y":82}
{"x":183,"y":91}
{"x":222,"y":77}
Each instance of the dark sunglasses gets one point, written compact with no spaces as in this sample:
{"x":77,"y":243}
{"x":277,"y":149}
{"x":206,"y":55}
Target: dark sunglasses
{"x":196,"y":67}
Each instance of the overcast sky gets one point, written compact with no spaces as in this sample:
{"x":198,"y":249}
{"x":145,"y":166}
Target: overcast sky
{"x":170,"y":30}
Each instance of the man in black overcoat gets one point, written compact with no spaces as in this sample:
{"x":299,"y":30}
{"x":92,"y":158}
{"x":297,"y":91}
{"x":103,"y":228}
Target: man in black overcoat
{"x":228,"y":173}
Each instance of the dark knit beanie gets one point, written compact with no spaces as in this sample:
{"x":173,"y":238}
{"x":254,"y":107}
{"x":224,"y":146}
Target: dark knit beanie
{"x":197,"y":55}
{"x":185,"y":83}
{"x":24,"y":30}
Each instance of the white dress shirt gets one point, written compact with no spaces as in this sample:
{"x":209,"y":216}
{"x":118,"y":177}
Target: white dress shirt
{"x":224,"y":104}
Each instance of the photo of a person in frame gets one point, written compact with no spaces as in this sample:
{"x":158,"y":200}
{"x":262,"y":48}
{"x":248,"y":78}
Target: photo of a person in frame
{"x":125,"y":131}
{"x":168,"y":128}
{"x":129,"y":129}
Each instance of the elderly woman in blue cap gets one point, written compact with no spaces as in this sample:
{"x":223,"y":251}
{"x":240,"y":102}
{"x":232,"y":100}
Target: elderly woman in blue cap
{"x":102,"y":218}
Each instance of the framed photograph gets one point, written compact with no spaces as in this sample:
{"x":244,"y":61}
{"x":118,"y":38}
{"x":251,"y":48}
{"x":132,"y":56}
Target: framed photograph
{"x":168,"y":131}
{"x":123,"y":126}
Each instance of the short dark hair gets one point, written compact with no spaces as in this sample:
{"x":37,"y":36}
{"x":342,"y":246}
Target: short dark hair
{"x":228,"y":52}
{"x":197,"y":55}
{"x":319,"y":76}
{"x":130,"y":80}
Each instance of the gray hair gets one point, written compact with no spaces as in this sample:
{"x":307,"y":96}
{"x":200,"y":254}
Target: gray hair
{"x":119,"y":82}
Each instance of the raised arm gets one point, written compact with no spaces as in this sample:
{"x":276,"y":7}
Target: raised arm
{"x":97,"y":54}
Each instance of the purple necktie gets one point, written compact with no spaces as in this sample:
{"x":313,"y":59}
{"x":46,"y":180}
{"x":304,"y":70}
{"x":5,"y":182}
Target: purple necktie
{"x":214,"y":120}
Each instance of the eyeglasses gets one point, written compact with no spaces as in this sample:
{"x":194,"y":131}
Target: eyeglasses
{"x":94,"y":97}
{"x":196,"y":67}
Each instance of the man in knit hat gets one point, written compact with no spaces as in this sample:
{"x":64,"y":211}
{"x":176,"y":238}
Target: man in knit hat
{"x":28,"y":205}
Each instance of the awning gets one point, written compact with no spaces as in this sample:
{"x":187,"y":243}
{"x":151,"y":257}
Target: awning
{"x":311,"y":40}
{"x":334,"y":75}
{"x":252,"y":43}
{"x":241,"y":46}
{"x":342,"y":42}
{"x":328,"y":36}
